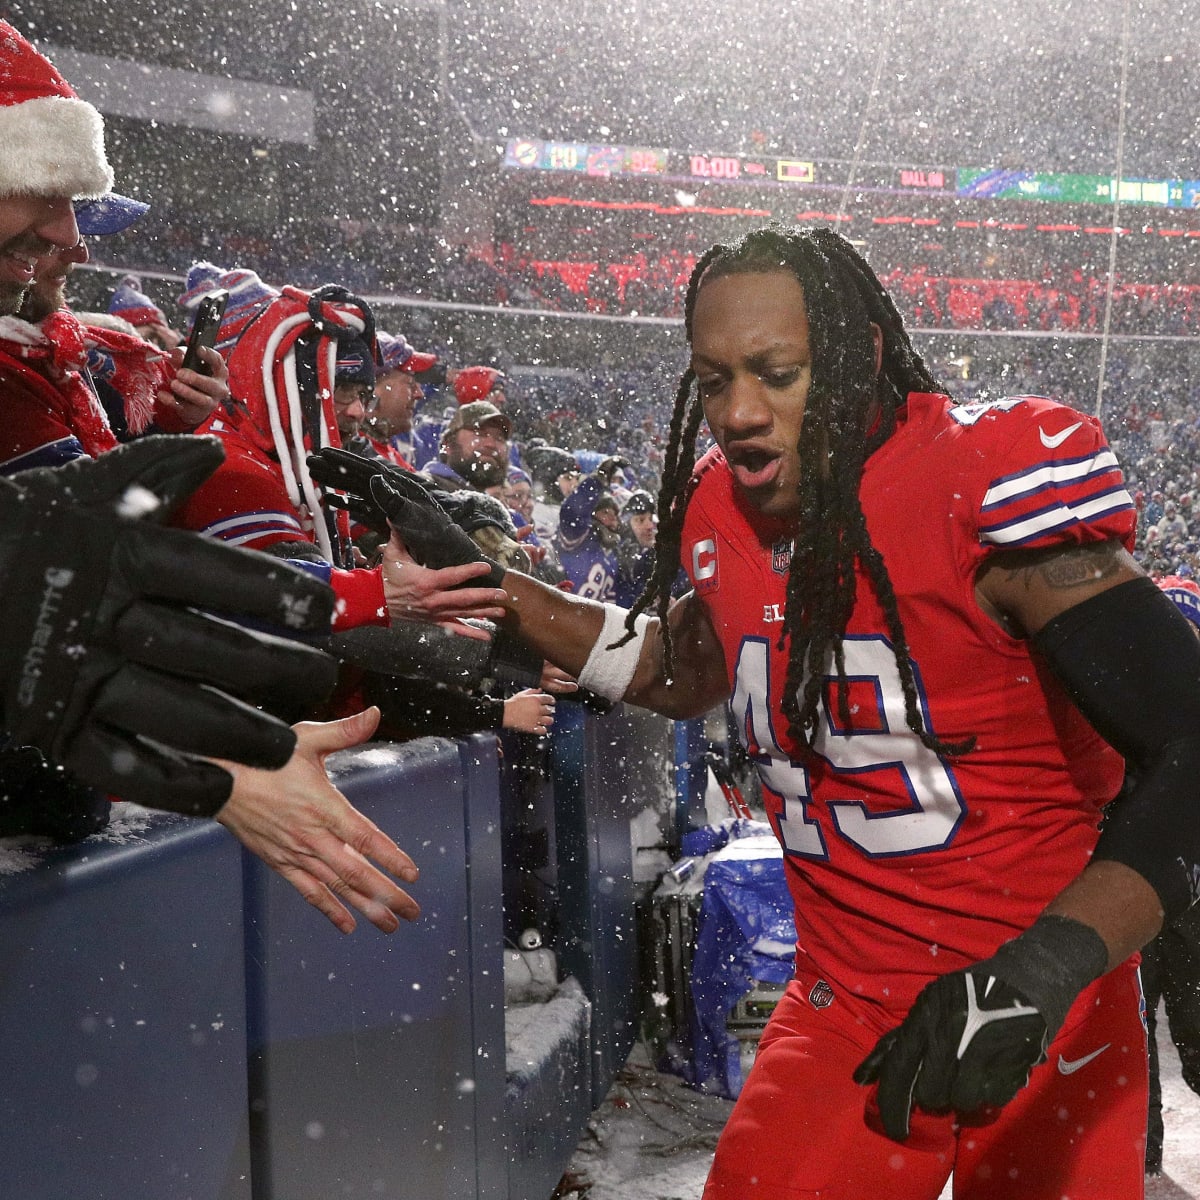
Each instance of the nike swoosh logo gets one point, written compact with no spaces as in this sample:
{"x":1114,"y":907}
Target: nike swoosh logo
{"x":1069,"y":1068}
{"x":1052,"y":441}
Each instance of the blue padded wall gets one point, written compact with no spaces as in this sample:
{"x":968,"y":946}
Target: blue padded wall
{"x":366,"y":1051}
{"x":122,"y":1064}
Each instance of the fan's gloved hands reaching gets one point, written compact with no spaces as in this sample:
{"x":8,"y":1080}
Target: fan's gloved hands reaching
{"x":350,"y":476}
{"x":376,"y":489}
{"x":108,"y":666}
{"x":973,"y":1036}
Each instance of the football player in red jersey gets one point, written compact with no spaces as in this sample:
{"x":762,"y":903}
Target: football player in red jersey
{"x":938,"y":649}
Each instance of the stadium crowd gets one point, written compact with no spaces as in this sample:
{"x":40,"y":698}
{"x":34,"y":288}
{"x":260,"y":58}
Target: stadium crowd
{"x":323,"y":417}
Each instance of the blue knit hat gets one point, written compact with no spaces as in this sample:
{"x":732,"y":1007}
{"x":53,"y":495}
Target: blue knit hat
{"x":130,"y":302}
{"x":396,"y":354}
{"x":355,"y":363}
{"x":202,"y":278}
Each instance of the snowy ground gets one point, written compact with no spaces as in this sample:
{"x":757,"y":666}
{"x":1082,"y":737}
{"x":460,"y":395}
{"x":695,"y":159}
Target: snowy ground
{"x":653,"y":1138}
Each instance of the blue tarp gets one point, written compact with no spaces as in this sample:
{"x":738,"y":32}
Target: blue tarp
{"x":746,"y":934}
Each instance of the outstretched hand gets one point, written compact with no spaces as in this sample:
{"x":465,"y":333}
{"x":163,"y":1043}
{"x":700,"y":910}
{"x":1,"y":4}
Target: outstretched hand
{"x":418,"y":593}
{"x":301,"y":826}
{"x":529,"y":711}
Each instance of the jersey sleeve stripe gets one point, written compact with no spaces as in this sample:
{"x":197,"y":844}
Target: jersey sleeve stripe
{"x":1057,"y":517}
{"x":1049,"y":475}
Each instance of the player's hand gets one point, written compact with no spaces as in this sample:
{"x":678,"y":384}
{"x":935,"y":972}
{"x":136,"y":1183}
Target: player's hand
{"x":969,"y":1041}
{"x":973,"y":1036}
{"x":300,"y":825}
{"x":445,"y":596}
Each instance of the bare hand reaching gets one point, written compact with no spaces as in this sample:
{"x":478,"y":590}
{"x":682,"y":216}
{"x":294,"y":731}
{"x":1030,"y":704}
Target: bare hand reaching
{"x":418,"y":593}
{"x":556,"y":680}
{"x":530,"y":711}
{"x":301,"y":826}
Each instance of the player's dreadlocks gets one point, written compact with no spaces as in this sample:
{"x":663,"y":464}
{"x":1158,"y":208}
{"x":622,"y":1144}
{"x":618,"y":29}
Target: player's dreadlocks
{"x":842,"y":298}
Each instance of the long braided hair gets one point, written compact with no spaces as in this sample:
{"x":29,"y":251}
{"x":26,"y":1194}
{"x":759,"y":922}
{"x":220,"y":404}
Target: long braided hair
{"x":843,"y":298}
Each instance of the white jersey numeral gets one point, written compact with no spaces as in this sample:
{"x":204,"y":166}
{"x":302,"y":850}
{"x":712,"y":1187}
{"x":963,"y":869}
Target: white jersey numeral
{"x":882,"y":742}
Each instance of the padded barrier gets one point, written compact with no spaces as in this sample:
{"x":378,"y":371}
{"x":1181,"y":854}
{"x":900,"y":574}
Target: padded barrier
{"x":179,"y":1023}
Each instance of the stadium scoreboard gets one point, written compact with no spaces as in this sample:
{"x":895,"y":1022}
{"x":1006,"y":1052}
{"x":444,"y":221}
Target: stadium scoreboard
{"x":613,"y":161}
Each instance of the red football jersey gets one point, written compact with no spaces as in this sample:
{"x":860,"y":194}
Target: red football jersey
{"x":903,"y":864}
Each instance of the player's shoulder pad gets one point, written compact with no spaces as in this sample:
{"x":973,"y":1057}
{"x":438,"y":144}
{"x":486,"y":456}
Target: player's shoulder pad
{"x":709,"y":462}
{"x":975,"y":411}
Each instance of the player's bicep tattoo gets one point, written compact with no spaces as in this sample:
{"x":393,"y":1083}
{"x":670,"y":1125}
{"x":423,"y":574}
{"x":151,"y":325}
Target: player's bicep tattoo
{"x":1067,"y":569}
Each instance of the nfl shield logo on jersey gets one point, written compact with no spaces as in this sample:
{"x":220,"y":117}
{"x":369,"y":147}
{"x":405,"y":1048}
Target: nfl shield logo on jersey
{"x":781,"y":556}
{"x":821,"y":995}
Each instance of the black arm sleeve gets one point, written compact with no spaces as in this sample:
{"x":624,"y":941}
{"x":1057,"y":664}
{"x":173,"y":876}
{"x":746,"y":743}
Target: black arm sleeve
{"x":1131,"y":663}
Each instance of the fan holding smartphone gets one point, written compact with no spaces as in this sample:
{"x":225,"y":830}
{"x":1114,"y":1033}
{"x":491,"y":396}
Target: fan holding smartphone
{"x":191,"y":397}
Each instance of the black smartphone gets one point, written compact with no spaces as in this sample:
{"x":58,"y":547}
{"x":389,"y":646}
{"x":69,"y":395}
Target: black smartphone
{"x":204,"y":329}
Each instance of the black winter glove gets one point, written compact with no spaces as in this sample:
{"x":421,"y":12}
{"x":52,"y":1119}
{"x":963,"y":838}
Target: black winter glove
{"x":101,"y":644}
{"x":352,"y":474}
{"x":431,"y":536}
{"x":973,"y":1036}
{"x":378,"y":491}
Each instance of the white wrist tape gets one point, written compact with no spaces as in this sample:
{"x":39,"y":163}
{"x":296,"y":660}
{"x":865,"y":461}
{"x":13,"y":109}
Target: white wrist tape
{"x":609,"y":672}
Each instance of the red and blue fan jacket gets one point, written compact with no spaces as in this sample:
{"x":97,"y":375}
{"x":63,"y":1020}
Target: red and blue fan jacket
{"x":246,"y":503}
{"x":904,"y":864}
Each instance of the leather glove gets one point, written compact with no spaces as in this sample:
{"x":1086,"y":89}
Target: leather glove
{"x":351,"y":474}
{"x":103,"y":648}
{"x":377,"y":491}
{"x":973,"y":1036}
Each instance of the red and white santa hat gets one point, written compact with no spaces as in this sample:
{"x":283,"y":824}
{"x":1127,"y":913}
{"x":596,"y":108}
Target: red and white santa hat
{"x":51,"y":141}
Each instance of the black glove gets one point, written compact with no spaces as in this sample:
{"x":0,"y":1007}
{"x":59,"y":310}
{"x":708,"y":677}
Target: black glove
{"x":973,"y":1036}
{"x":380,"y":492}
{"x":352,"y":474}
{"x":102,"y":648}
{"x":431,"y":536}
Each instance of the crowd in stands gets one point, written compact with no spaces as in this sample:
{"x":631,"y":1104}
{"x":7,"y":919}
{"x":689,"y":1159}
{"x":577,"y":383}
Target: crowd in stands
{"x":550,"y":470}
{"x":613,"y":409}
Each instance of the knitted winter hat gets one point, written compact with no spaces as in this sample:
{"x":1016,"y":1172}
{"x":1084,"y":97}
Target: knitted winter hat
{"x":1186,"y":595}
{"x":355,"y":363}
{"x":202,"y":278}
{"x":51,"y":141}
{"x":396,"y":354}
{"x":248,"y":296}
{"x":130,"y":302}
{"x":284,"y":370}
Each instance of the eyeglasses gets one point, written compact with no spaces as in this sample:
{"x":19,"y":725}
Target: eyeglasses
{"x":363,"y":395}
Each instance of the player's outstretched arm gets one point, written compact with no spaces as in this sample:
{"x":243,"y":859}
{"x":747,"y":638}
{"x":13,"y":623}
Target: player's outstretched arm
{"x":580,"y":636}
{"x":300,"y":825}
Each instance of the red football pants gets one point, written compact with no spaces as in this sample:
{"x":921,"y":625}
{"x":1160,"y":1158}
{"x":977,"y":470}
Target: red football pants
{"x":800,"y":1126}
